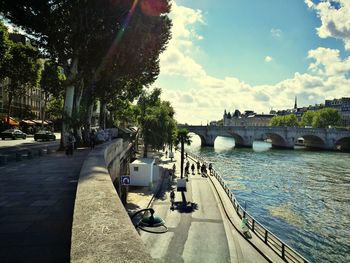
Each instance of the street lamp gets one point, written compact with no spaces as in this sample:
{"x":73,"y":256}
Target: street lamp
{"x":148,"y":222}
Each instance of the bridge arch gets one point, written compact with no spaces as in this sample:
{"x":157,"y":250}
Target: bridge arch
{"x":343,"y":144}
{"x":240,"y":141}
{"x":313,"y":141}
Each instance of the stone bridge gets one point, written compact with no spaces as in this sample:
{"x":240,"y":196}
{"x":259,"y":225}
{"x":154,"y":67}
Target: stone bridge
{"x":281,"y":137}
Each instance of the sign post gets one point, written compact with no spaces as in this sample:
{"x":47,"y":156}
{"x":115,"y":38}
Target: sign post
{"x":125,"y":179}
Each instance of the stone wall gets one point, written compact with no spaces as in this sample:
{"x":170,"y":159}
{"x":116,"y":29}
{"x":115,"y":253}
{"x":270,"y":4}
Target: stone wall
{"x":102,"y":230}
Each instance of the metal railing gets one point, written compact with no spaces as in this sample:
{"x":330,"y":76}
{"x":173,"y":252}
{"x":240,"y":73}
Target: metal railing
{"x":284,"y":251}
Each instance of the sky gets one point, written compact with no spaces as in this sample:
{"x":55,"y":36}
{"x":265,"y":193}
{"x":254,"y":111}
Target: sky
{"x":254,"y":55}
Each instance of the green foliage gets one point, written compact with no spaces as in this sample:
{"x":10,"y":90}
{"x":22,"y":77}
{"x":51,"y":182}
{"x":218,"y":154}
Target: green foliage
{"x":285,"y":121}
{"x":183,"y":137}
{"x":52,"y":79}
{"x":317,"y":119}
{"x":326,"y":117}
{"x":55,"y":108}
{"x":156,"y":119}
{"x":4,"y":44}
{"x":115,"y":44}
{"x":307,"y":118}
{"x":22,"y":67}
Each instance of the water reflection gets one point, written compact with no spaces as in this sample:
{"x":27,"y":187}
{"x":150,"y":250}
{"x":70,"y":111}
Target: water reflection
{"x":302,"y":196}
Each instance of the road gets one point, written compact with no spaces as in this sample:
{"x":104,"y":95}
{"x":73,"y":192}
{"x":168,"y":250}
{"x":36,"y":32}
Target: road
{"x":28,"y":142}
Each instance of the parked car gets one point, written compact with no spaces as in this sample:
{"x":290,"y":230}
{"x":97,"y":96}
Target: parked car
{"x":13,"y":134}
{"x":44,"y":135}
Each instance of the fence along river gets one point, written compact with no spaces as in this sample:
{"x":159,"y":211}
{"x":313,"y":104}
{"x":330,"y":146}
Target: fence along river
{"x":300,"y":196}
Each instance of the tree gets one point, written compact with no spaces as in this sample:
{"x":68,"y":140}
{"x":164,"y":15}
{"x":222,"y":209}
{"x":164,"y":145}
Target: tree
{"x":285,"y":121}
{"x":307,"y":118}
{"x":51,"y":83}
{"x":183,"y":138}
{"x":326,"y":117}
{"x":156,"y":119}
{"x":4,"y":44}
{"x":23,"y":70}
{"x":96,"y":39}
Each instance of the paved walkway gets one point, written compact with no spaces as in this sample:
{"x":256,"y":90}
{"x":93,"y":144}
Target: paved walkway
{"x":36,"y":207}
{"x":199,"y":232}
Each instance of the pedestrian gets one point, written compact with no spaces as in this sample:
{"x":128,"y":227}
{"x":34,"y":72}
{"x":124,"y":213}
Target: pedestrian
{"x":210,"y":168}
{"x":70,"y":144}
{"x":198,"y":166}
{"x":172,"y":199}
{"x":166,"y":154}
{"x":192,"y":168}
{"x":174,"y":168}
{"x":92,"y":139}
{"x":186,"y":156}
{"x":204,"y":170}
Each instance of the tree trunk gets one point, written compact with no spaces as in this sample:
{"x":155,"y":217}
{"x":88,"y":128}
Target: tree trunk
{"x":78,"y":97}
{"x":68,"y":101}
{"x":102,"y":114}
{"x":182,"y":157}
{"x":9,"y":109}
{"x":43,"y":111}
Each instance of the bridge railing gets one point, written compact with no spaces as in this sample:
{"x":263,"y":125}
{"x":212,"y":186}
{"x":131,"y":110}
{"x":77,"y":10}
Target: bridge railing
{"x":284,"y":251}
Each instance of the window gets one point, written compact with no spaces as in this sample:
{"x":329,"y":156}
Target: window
{"x":136,"y":168}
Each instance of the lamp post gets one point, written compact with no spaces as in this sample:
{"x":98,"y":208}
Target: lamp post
{"x":150,"y":222}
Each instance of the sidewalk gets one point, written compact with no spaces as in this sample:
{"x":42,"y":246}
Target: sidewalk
{"x":198,"y":231}
{"x":36,"y":207}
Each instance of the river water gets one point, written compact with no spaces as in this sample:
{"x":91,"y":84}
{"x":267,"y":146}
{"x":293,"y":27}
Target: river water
{"x":301,"y":196}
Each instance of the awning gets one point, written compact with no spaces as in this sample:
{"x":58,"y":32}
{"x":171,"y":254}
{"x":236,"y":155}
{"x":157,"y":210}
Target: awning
{"x":12,"y":122}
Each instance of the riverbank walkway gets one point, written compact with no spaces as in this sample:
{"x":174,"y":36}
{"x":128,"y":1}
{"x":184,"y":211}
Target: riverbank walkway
{"x":201,"y":230}
{"x":36,"y":207}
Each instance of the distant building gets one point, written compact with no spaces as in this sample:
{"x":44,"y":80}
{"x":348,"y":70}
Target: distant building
{"x":342,"y":105}
{"x":29,"y":104}
{"x":248,"y":118}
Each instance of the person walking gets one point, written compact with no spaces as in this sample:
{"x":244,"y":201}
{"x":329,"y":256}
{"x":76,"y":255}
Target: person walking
{"x":70,"y":144}
{"x":198,"y":166}
{"x":192,"y":168}
{"x":172,"y":199}
{"x":92,"y":139}
{"x":210,"y":168}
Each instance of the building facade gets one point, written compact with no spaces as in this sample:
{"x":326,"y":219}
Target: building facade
{"x":29,"y":104}
{"x":248,"y":118}
{"x":342,"y":105}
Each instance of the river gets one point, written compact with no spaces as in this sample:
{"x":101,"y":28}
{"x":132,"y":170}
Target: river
{"x":301,"y":196}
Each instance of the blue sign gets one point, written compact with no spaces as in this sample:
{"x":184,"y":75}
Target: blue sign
{"x":125,"y":179}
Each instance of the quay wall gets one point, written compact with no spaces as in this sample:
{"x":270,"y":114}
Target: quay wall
{"x":102,"y":230}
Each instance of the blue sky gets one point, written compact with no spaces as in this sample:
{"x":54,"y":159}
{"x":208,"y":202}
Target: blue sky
{"x":253,"y":54}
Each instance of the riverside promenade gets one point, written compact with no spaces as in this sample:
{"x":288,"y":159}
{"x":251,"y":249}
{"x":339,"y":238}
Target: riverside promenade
{"x":201,"y":230}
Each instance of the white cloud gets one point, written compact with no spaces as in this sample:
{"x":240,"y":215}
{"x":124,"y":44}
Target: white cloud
{"x":204,"y":97}
{"x":176,"y":60}
{"x":328,"y":61}
{"x":276,"y":32}
{"x":335,"y":22}
{"x":268,"y":59}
